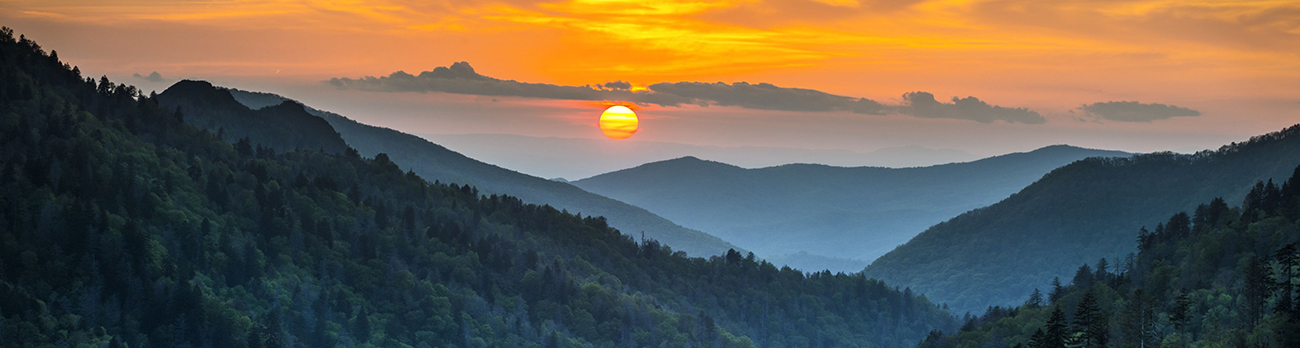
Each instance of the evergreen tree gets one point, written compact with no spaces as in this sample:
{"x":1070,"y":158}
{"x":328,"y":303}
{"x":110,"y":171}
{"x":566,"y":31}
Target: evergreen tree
{"x":1180,"y":315}
{"x":1287,"y":260}
{"x":1256,"y":290}
{"x":1103,"y":273}
{"x":1038,"y":339}
{"x":1058,"y":290}
{"x":1087,"y":320}
{"x":1035,"y":300}
{"x":1057,"y":330}
{"x":1139,"y":321}
{"x":1083,"y":277}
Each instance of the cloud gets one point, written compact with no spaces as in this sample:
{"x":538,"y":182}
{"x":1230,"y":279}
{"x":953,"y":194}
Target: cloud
{"x":153,"y":77}
{"x":461,"y":78}
{"x":620,"y":85}
{"x":923,"y":104}
{"x":765,"y":96}
{"x":1132,"y":111}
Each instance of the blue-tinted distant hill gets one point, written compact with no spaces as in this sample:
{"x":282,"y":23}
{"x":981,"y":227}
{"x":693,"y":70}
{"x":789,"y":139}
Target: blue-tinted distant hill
{"x":1075,"y":215}
{"x":845,"y":213}
{"x":435,"y":162}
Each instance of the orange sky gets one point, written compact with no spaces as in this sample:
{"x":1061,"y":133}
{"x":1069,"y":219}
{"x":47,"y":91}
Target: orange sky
{"x":1236,"y":61}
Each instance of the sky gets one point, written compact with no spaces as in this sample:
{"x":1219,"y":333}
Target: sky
{"x":982,"y":76}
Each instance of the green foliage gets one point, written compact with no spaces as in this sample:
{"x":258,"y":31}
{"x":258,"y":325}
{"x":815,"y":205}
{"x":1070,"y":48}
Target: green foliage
{"x":1079,"y":213}
{"x":123,"y":226}
{"x":1221,"y":277}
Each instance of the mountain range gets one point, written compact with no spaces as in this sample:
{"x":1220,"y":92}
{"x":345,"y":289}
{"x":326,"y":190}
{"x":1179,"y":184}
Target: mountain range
{"x":577,"y":158}
{"x":435,"y":162}
{"x":122,"y":225}
{"x":1078,"y":213}
{"x":839,"y":218}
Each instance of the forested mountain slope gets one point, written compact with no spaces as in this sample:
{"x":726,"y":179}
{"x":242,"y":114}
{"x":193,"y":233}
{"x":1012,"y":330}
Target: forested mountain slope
{"x":853,"y":213}
{"x":1219,"y":277}
{"x":438,"y":163}
{"x":123,"y":226}
{"x":203,"y":105}
{"x":1075,"y":214}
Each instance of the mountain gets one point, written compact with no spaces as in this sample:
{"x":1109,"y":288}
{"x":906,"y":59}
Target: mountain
{"x":438,"y":163}
{"x":201,"y":104}
{"x":1075,"y":214}
{"x":1218,"y":277}
{"x":121,"y":225}
{"x":849,"y":213}
{"x":576,"y":158}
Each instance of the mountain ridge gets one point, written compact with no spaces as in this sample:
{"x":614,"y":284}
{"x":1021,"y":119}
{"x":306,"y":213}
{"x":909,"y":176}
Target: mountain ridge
{"x":437,"y":162}
{"x":1074,"y":214}
{"x":822,"y":209}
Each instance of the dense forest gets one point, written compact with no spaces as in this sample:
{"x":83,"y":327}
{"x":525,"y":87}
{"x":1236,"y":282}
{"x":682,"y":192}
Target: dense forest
{"x":1219,"y":277}
{"x":121,"y":225}
{"x":1078,"y":213}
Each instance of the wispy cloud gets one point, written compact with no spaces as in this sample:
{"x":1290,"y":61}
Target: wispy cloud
{"x":1132,"y":111}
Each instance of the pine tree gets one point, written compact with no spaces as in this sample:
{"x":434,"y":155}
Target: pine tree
{"x":1058,"y":291}
{"x":1038,"y":339}
{"x":1035,"y":299}
{"x":1083,"y":276}
{"x":1287,"y":259}
{"x":1086,"y":317}
{"x":1102,"y":275}
{"x":1057,"y":330}
{"x":1139,"y":320}
{"x":1256,"y":290}
{"x":1181,"y":313}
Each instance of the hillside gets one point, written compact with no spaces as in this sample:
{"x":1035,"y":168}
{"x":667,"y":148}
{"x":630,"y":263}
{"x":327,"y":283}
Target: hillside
{"x":839,"y":212}
{"x":1218,"y":277}
{"x":438,"y":163}
{"x":1075,"y":214}
{"x":123,"y":226}
{"x":213,"y":109}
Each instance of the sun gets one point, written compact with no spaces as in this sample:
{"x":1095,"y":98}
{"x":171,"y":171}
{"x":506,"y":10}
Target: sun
{"x":618,"y":122}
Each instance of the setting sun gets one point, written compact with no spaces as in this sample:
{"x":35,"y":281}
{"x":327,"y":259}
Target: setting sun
{"x":618,"y":122}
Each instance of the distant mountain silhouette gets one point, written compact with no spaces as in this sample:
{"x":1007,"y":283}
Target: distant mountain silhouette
{"x":435,"y":162}
{"x":855,"y":213}
{"x":214,"y":109}
{"x":577,"y":158}
{"x":1074,"y":215}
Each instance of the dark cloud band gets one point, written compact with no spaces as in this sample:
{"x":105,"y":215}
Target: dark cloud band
{"x":1132,"y":111}
{"x":460,"y":78}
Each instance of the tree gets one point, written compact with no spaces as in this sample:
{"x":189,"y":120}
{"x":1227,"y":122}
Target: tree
{"x":1139,"y":320}
{"x":1256,"y":289}
{"x":1083,"y":277}
{"x":1038,"y":339}
{"x":1287,"y":259}
{"x":1102,"y":275}
{"x":1181,"y":313}
{"x":1057,"y":331}
{"x":363,"y":326}
{"x":1089,"y":322}
{"x":1058,"y":291}
{"x":1035,"y":300}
